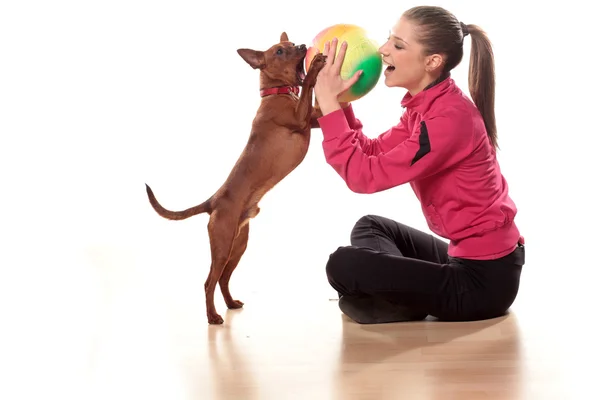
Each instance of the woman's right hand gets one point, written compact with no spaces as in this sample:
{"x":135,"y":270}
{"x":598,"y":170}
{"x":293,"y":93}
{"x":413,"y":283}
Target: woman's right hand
{"x":330,"y":85}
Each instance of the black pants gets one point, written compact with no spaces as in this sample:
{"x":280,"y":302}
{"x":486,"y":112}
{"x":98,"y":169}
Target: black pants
{"x":411,"y":268}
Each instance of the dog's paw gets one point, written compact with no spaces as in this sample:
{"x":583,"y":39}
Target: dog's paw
{"x":318,"y":62}
{"x":215,"y":319}
{"x":316,"y":65}
{"x":234,"y":304}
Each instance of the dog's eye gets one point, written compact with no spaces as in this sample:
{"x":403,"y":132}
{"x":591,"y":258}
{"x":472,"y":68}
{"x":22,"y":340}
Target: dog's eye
{"x":279,"y":51}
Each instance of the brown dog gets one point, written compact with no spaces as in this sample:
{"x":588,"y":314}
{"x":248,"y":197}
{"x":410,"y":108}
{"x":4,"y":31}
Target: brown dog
{"x":278,"y":143}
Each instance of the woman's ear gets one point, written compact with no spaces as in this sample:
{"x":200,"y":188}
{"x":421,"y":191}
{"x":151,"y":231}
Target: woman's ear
{"x":433,"y":62}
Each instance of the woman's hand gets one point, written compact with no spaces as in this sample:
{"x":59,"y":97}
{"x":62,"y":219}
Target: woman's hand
{"x":330,"y":85}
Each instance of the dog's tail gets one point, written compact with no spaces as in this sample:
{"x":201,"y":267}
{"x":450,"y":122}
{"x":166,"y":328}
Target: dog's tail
{"x":177,"y":215}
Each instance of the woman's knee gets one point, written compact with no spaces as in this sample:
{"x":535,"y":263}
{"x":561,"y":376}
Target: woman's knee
{"x":374,"y":221}
{"x":367,"y":220}
{"x":366,"y":224}
{"x":338,"y":269}
{"x":338,"y":262}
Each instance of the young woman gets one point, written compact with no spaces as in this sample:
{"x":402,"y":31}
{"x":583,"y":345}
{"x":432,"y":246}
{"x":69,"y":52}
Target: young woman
{"x":444,"y":146}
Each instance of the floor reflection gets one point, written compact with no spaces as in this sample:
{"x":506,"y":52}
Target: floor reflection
{"x":231,"y":369}
{"x":431,"y":360}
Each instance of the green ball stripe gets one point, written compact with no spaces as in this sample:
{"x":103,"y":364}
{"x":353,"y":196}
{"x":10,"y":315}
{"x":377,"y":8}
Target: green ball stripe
{"x":372,"y":67}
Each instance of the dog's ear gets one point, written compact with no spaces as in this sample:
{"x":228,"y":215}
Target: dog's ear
{"x":255,"y":58}
{"x":284,"y":37}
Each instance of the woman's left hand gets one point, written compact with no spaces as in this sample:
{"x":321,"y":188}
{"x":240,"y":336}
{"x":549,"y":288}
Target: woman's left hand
{"x":330,"y":85}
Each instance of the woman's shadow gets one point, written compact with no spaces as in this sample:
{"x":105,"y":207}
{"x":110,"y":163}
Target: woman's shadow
{"x":429,"y":359}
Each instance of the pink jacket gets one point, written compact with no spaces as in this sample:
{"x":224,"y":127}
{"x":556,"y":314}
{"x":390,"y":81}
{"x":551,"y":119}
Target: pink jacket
{"x":441,"y":148}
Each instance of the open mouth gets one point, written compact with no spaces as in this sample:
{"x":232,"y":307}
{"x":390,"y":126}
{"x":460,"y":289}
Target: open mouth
{"x":390,"y":68}
{"x":300,"y":74}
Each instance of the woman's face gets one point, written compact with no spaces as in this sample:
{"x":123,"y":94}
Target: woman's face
{"x":407,"y":67}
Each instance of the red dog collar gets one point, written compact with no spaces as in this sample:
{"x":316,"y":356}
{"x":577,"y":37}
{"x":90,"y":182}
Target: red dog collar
{"x":280,"y":90}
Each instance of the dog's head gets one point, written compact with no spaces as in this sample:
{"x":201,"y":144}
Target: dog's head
{"x":281,"y":65}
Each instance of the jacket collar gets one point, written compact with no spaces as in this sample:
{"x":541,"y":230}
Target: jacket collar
{"x":422,"y":101}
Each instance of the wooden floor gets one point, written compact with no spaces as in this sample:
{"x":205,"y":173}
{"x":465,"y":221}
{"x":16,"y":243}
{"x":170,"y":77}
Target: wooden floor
{"x":290,"y":342}
{"x":134,"y":328}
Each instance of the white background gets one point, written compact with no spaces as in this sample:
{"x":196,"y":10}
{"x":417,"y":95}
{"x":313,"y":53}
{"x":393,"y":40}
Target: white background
{"x":99,"y":98}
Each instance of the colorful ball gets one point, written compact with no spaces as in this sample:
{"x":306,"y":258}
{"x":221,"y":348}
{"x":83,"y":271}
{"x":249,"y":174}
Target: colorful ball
{"x":362,"y":53}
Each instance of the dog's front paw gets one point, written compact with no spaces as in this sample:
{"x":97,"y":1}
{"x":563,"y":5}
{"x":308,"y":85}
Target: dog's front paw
{"x":316,"y":65}
{"x":318,"y":62}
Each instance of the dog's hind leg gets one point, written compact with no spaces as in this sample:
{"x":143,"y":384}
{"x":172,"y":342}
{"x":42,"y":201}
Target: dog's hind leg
{"x":239,"y":247}
{"x":222,"y":229}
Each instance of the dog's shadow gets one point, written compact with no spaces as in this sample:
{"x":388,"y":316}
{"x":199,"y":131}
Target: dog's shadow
{"x":429,"y":359}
